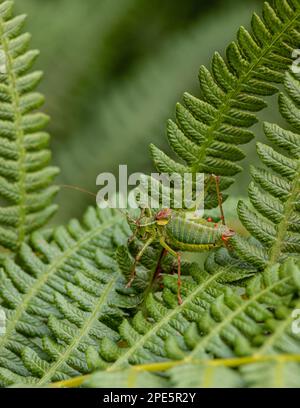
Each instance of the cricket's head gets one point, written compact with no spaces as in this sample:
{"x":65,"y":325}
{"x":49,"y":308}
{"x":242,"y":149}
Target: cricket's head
{"x":141,"y":221}
{"x":163,"y":216}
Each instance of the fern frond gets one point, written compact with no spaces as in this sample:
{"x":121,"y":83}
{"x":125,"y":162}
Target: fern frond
{"x":275,"y":192}
{"x":145,"y":339}
{"x":25,"y":178}
{"x":209,"y":129}
{"x":250,"y":332}
{"x":60,"y":298}
{"x":212,"y":321}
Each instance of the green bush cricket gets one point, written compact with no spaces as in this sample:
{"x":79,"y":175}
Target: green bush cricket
{"x":177,"y":232}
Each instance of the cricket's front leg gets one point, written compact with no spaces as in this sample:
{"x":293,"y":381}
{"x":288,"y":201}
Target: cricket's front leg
{"x":178,"y":256}
{"x":137,"y":259}
{"x":137,"y":223}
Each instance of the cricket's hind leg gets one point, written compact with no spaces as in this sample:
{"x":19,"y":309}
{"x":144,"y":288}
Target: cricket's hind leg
{"x":178,"y":256}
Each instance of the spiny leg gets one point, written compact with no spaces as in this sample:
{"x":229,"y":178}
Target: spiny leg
{"x":137,"y":259}
{"x":178,"y":256}
{"x":219,"y":195}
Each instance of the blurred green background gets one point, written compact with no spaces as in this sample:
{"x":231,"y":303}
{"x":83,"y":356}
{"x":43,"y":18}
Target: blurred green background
{"x":114,"y":70}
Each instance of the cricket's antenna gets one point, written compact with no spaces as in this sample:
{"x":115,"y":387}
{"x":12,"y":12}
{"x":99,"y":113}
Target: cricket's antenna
{"x":76,"y":188}
{"x":83,"y":190}
{"x":220,"y":200}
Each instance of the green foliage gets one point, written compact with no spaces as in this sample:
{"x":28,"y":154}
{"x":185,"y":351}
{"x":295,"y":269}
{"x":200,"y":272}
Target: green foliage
{"x":73,"y":278}
{"x":275,"y":194}
{"x":71,"y":320}
{"x":225,"y":326}
{"x":209,"y":129}
{"x":213,"y":320}
{"x":25,"y":177}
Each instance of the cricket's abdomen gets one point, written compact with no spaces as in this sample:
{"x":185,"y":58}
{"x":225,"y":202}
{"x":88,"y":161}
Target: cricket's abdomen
{"x":188,"y":235}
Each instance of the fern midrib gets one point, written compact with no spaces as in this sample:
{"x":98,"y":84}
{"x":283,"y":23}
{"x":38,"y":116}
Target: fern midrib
{"x":282,"y":228}
{"x":225,"y":107}
{"x":219,"y":327}
{"x":81,"y":333}
{"x":21,"y":230}
{"x":178,"y":310}
{"x":43,"y":279}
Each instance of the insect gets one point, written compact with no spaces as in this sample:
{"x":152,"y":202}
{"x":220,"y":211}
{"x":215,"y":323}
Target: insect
{"x":175,"y":231}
